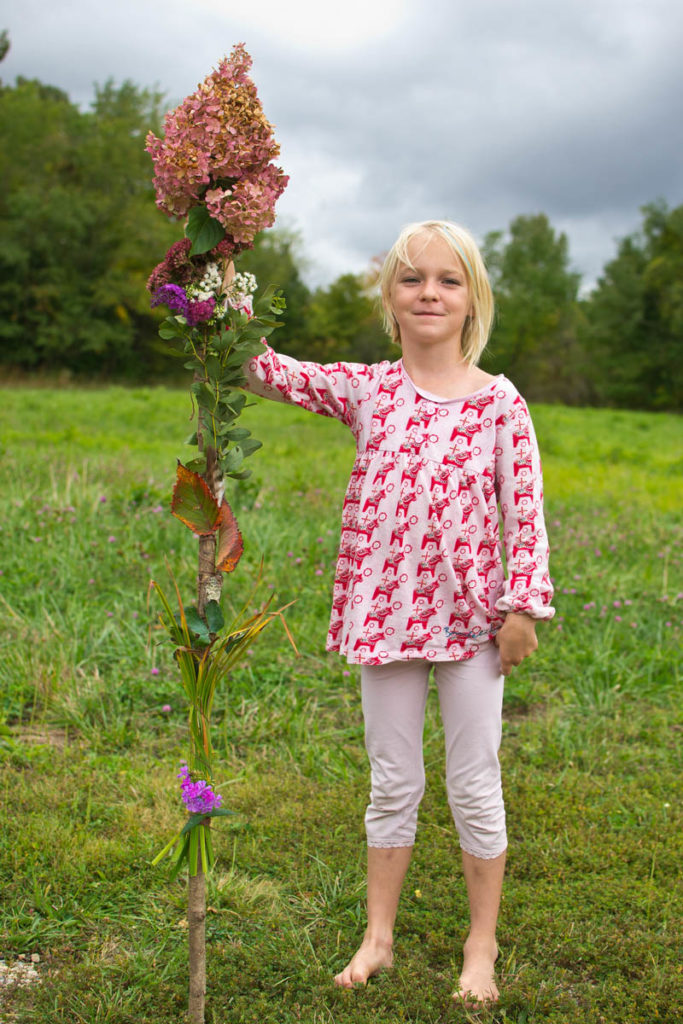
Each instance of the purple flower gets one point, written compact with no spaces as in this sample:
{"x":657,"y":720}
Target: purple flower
{"x":166,"y":708}
{"x":154,"y":671}
{"x":198,"y":312}
{"x":173,"y":296}
{"x":198,"y":796}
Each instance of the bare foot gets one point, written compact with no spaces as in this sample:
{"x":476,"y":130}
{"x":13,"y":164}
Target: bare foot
{"x":477,"y":981}
{"x":372,"y":956}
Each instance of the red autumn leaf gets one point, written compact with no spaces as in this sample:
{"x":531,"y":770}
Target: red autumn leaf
{"x":193,"y":503}
{"x":230,"y":546}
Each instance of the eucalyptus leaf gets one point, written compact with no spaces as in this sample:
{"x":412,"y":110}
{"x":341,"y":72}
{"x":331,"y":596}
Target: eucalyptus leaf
{"x":233,"y":460}
{"x":250,"y":445}
{"x":237,"y":403}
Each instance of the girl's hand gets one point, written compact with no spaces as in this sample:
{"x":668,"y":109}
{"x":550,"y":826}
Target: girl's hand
{"x":516,"y":640}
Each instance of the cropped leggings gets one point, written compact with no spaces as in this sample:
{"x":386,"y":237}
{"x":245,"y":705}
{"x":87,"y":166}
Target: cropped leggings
{"x":471,"y":699}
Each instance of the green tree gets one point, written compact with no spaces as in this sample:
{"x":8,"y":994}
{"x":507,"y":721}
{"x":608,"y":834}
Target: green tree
{"x":633,"y":324}
{"x":78,"y":230}
{"x":275,"y":259}
{"x":534,"y":338}
{"x":343,"y":323}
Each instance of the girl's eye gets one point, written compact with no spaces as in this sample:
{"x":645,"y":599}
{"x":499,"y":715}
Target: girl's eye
{"x":452,"y":280}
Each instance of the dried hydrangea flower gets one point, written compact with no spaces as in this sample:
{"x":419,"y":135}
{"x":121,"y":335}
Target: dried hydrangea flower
{"x":218,"y":150}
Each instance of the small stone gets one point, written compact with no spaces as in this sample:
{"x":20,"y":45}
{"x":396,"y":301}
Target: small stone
{"x":35,"y":958}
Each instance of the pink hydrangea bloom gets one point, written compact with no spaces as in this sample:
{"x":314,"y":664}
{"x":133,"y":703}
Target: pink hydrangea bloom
{"x":218,"y":149}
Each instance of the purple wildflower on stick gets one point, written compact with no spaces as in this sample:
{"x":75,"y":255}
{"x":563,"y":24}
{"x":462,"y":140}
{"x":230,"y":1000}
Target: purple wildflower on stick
{"x":198,"y":796}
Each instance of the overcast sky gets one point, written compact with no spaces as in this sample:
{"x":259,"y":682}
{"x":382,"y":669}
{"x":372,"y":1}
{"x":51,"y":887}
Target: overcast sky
{"x":389,"y":111}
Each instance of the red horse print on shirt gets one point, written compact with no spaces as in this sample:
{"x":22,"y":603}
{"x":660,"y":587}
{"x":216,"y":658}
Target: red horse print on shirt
{"x":478,"y":404}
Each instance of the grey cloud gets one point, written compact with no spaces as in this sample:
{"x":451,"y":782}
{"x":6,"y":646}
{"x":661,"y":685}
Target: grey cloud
{"x":477,"y":111}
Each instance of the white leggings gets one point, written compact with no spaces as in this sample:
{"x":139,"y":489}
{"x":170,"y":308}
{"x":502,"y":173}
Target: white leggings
{"x":471,"y":700}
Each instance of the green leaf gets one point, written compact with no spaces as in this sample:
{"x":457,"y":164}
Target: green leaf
{"x":221,"y":812}
{"x":181,"y":858}
{"x":237,"y":358}
{"x":220,"y":342}
{"x":196,"y":625}
{"x":170,"y":332}
{"x":214,"y":616}
{"x":213,"y":367}
{"x":197,"y":465}
{"x":194,"y":850}
{"x":236,"y":433}
{"x":192,"y":439}
{"x":233,"y":460}
{"x":203,"y":230}
{"x":236,"y":404}
{"x":250,"y":445}
{"x":192,"y":822}
{"x":206,"y":397}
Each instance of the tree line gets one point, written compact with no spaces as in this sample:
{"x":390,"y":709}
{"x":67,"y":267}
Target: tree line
{"x":80,"y":233}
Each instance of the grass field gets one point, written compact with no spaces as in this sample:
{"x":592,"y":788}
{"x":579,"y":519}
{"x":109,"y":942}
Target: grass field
{"x":590,"y":922}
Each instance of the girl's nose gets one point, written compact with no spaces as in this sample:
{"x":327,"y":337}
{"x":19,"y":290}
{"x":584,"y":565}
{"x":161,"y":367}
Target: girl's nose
{"x":429,"y":290}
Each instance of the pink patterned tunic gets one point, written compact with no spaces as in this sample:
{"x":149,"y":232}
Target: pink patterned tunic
{"x":420,"y":571}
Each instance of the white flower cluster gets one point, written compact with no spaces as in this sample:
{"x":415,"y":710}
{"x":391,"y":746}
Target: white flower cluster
{"x":209,"y":287}
{"x":242,"y":285}
{"x":241,"y":292}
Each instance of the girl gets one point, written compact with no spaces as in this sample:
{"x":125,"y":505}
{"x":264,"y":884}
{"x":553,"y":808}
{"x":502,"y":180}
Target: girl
{"x":441,"y":446}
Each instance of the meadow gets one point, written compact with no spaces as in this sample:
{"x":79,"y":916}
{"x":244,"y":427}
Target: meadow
{"x":94,"y":729}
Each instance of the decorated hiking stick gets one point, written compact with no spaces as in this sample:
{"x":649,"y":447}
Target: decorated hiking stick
{"x":215,"y":168}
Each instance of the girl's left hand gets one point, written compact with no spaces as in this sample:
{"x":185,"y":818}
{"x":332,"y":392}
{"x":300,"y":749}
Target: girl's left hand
{"x":516,"y":640}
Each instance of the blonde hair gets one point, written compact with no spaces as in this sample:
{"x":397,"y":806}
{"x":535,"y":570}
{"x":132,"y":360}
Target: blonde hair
{"x":477,"y":327}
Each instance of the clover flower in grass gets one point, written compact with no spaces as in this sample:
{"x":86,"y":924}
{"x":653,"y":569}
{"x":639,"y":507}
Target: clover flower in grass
{"x":218,"y":149}
{"x":198,"y":797}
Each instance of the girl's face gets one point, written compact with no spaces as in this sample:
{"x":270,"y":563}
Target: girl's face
{"x":431,"y":299}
